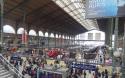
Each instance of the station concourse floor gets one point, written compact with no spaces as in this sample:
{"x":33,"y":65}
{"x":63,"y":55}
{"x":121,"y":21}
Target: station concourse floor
{"x":109,"y":68}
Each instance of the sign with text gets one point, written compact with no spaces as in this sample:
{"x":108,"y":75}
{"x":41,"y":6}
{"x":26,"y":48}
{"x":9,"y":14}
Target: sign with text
{"x":105,"y":8}
{"x":83,"y":66}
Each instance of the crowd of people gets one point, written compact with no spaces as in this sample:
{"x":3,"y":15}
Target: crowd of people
{"x":88,"y":74}
{"x":31,"y":64}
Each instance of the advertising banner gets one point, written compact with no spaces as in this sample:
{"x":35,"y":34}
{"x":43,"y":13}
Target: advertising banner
{"x":105,"y":8}
{"x":83,"y":66}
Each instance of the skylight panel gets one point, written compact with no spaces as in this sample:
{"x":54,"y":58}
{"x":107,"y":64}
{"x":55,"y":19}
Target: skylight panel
{"x":60,"y":3}
{"x":67,"y":9}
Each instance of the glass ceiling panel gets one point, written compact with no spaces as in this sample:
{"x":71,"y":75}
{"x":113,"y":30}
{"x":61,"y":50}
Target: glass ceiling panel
{"x":76,"y":12}
{"x":71,"y":7}
{"x":67,"y":9}
{"x":60,"y":3}
{"x":76,"y":9}
{"x":66,"y":2}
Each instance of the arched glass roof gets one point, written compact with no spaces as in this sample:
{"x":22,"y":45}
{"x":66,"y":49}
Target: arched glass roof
{"x":8,"y":29}
{"x":76,"y":9}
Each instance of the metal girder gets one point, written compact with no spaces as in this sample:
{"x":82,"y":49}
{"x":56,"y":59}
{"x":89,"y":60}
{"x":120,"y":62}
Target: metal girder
{"x":50,"y":20}
{"x":45,"y":16}
{"x":54,"y":22}
{"x":34,"y":11}
{"x":49,"y":14}
{"x":24,"y":2}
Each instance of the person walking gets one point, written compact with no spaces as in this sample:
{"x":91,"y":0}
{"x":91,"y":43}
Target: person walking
{"x":103,"y":74}
{"x":89,"y":74}
{"x":106,"y":73}
{"x":84,"y":73}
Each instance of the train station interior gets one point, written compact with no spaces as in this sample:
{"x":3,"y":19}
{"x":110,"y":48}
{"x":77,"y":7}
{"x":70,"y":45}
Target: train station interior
{"x":62,"y":39}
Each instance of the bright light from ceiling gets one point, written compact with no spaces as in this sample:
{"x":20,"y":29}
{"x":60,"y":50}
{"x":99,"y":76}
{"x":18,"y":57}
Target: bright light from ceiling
{"x":76,"y":9}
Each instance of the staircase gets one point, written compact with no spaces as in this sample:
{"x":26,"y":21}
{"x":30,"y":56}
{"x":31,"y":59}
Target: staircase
{"x":7,"y":70}
{"x":4,"y":73}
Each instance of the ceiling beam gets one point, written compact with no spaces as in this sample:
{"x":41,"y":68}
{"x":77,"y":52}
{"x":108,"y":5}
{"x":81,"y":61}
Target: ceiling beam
{"x":23,"y":3}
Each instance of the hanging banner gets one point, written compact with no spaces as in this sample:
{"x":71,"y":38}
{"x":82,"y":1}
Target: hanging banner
{"x":105,"y":8}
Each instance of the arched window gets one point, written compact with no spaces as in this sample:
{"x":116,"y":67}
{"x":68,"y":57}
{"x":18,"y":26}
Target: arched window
{"x":56,"y":35}
{"x":59,"y":36}
{"x":20,"y":31}
{"x":41,"y":33}
{"x":32,"y":32}
{"x":52,"y":35}
{"x":46,"y":34}
{"x":63,"y":36}
{"x":8,"y":29}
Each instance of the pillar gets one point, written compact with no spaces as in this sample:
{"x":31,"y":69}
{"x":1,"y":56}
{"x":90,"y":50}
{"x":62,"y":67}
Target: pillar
{"x":61,"y":41}
{"x":64,"y":40}
{"x":15,"y":35}
{"x":123,"y":56}
{"x":48,"y":39}
{"x":55,"y":40}
{"x":43,"y":40}
{"x":73,"y":37}
{"x":108,"y":32}
{"x":27,"y":28}
{"x":115,"y":42}
{"x":1,"y":23}
{"x":37,"y":40}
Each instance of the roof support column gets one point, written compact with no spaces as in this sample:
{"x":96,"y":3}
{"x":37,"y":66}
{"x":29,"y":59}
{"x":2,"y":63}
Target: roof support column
{"x":26,"y":31}
{"x":66,"y":40}
{"x":123,"y":56}
{"x":108,"y":33}
{"x":1,"y":23}
{"x":61,"y":41}
{"x":43,"y":40}
{"x":15,"y":35}
{"x":48,"y":38}
{"x":37,"y":40}
{"x":55,"y":40}
{"x":115,"y":43}
{"x":70,"y":41}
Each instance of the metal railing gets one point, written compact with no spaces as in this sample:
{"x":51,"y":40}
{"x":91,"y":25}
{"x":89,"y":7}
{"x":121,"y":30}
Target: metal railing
{"x":10,"y":67}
